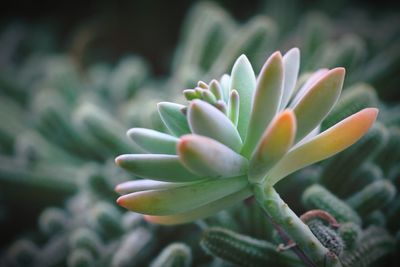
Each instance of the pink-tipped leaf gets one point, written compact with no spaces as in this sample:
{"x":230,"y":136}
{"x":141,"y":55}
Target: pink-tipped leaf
{"x":324,"y":145}
{"x":181,"y":199}
{"x":313,"y":107}
{"x":273,"y":145}
{"x":266,"y":100}
{"x":291,"y":66}
{"x":203,"y":211}
{"x":207,"y":120}
{"x":159,"y":167}
{"x":209,"y":158}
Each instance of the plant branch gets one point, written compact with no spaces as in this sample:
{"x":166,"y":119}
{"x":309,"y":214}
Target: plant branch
{"x":292,"y":228}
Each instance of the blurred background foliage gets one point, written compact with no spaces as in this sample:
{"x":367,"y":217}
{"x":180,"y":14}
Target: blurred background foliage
{"x":110,"y":29}
{"x":75,"y":77}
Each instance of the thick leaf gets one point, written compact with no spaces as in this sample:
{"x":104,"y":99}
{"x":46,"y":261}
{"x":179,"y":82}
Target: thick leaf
{"x":291,"y":66}
{"x":161,"y":167}
{"x":225,"y":82}
{"x":173,"y":118}
{"x":265,"y":101}
{"x":324,"y":145}
{"x":275,"y":142}
{"x":205,"y":119}
{"x":216,"y":89}
{"x":233,"y":109}
{"x":144,"y":185}
{"x":209,"y":158}
{"x":243,"y":80}
{"x":203,"y":211}
{"x":208,"y":96}
{"x":309,"y":136}
{"x":181,"y":199}
{"x":189,"y":94}
{"x":306,"y":81}
{"x":318,"y":101}
{"x":153,"y":141}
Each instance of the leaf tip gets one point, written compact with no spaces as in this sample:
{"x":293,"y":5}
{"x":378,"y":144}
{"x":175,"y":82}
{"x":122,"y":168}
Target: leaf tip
{"x":182,"y":144}
{"x":373,"y":112}
{"x":340,"y":71}
{"x":242,"y":58}
{"x":118,"y":160}
{"x":276,"y":55}
{"x":288,"y":114}
{"x":121,"y":201}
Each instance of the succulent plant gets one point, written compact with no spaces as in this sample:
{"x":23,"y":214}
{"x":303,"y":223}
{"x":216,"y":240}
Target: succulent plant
{"x":236,"y":138}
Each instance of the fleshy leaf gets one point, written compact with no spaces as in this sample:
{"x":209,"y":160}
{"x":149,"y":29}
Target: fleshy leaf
{"x":216,"y":89}
{"x":208,"y":96}
{"x":225,"y":82}
{"x":243,"y":80}
{"x":153,"y":141}
{"x":181,"y":199}
{"x":318,"y":101}
{"x":202,"y":84}
{"x":265,"y":101}
{"x":173,"y":118}
{"x":203,"y":211}
{"x":274,"y":143}
{"x":291,"y":66}
{"x":310,"y":79}
{"x":144,"y":185}
{"x":324,"y":145}
{"x":160,"y":167}
{"x":234,"y":107}
{"x":189,"y":94}
{"x":205,"y":119}
{"x":207,"y":157}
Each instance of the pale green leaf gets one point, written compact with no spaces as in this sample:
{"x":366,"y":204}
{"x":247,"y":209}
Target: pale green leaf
{"x":160,"y":167}
{"x":173,"y":118}
{"x":153,"y":141}
{"x":243,"y":80}
{"x":313,"y":107}
{"x":181,"y":199}
{"x":265,"y":101}
{"x":205,"y":119}
{"x":291,"y":66}
{"x":144,"y":185}
{"x":203,"y":211}
{"x":209,"y":158}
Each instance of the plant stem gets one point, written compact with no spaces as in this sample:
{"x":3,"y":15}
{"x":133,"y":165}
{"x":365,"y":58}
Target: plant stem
{"x":283,"y":217}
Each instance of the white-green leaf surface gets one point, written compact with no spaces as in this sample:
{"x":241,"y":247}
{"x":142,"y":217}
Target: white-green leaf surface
{"x":243,"y":80}
{"x":209,"y":158}
{"x":181,"y":199}
{"x":160,"y":167}
{"x":204,"y":119}
{"x":203,"y":211}
{"x":144,"y":185}
{"x":265,"y":101}
{"x":173,"y":118}
{"x":291,"y":66}
{"x":153,"y":141}
{"x":313,"y":107}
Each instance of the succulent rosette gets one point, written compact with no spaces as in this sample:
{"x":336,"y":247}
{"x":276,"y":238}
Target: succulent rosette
{"x":235,"y":133}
